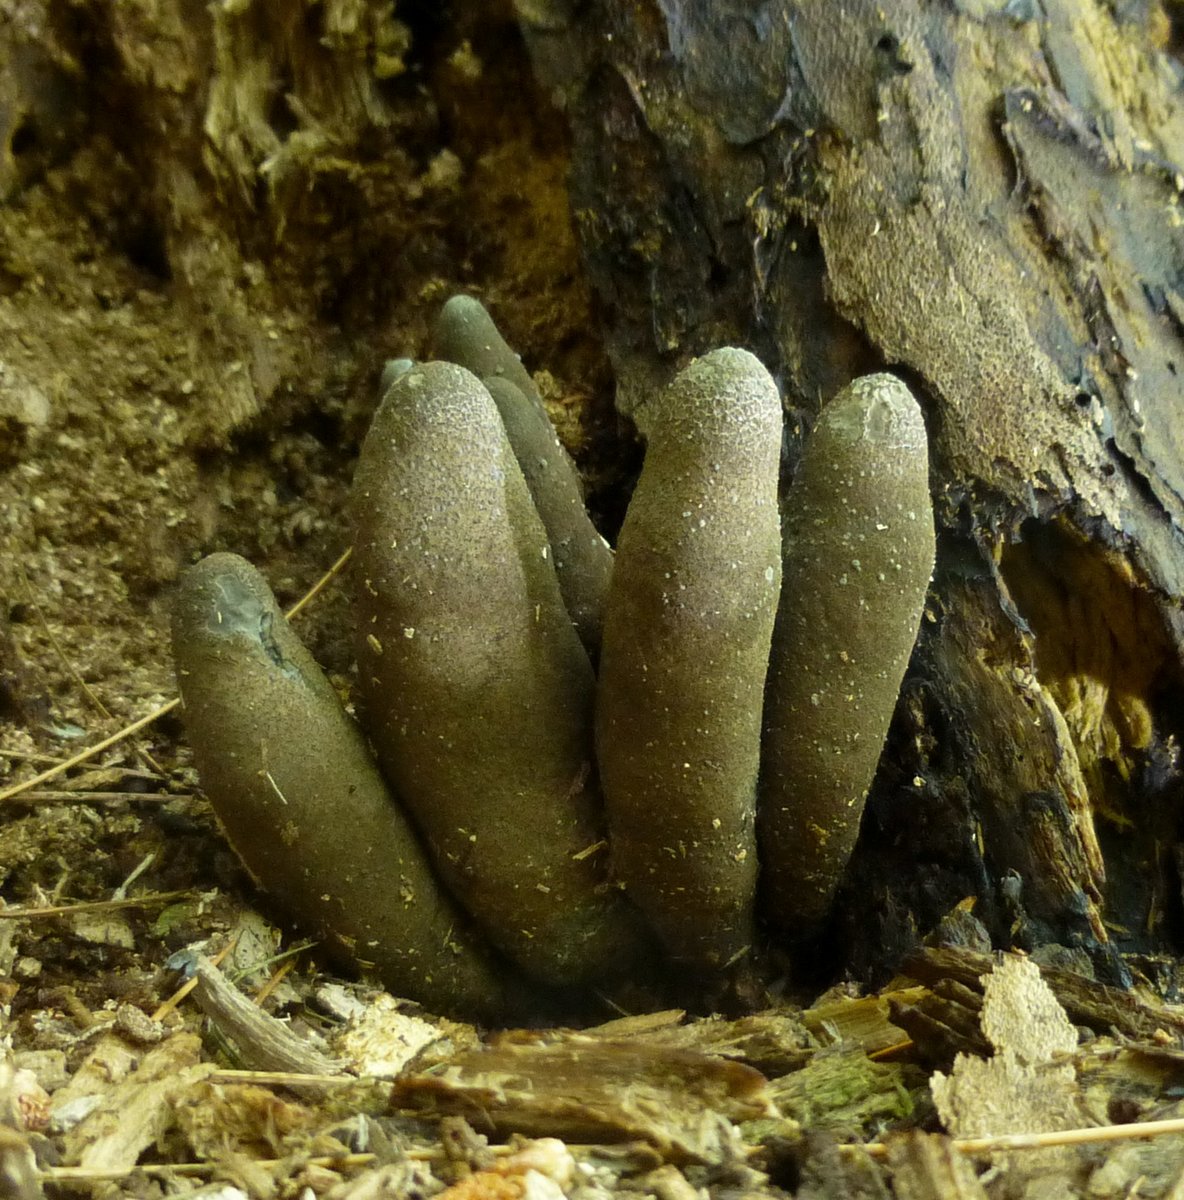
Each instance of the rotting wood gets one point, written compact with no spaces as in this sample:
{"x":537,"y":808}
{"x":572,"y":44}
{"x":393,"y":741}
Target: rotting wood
{"x":1134,"y":1014}
{"x":584,"y":1089}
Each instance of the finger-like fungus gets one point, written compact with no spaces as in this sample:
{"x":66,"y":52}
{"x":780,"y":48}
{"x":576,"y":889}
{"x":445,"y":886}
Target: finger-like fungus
{"x":301,"y":800}
{"x":480,"y":585}
{"x":478,"y":693}
{"x":858,"y":556}
{"x":684,"y":655}
{"x":465,"y":334}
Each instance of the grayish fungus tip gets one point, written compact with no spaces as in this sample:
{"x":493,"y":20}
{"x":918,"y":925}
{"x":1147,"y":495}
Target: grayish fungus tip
{"x":858,"y":556}
{"x":684,"y":655}
{"x":393,"y":368}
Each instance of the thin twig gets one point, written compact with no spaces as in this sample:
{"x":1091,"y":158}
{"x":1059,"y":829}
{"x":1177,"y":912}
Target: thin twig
{"x":50,"y":796}
{"x":895,"y":1048}
{"x":29,"y":756}
{"x":122,"y":890}
{"x":277,"y":977}
{"x":1041,"y":1141}
{"x":85,"y":906}
{"x":83,"y":755}
{"x":199,"y":1169}
{"x":288,"y":955}
{"x":320,"y":585}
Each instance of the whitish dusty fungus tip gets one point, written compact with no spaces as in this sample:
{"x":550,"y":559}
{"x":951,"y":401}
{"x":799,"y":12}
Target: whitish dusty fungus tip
{"x":683,"y":660}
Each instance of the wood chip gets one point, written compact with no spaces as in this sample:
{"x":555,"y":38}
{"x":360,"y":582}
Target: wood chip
{"x":925,"y":1166}
{"x":264,"y":1043}
{"x":134,"y":1113}
{"x":585,"y":1089}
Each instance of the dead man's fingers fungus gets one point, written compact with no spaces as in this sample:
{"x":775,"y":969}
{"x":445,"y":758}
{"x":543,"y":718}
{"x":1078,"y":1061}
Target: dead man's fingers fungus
{"x":858,"y":556}
{"x":478,"y":693}
{"x":301,"y":800}
{"x":684,"y":655}
{"x":465,"y":334}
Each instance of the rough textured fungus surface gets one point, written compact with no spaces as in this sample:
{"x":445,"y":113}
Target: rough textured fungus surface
{"x":858,"y":558}
{"x":301,"y":798}
{"x":478,"y":694}
{"x":686,"y":645}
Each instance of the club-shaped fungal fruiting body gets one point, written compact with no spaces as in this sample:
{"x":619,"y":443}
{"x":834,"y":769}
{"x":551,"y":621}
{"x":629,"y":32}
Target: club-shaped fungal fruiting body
{"x":684,"y":653}
{"x":301,"y":801}
{"x":516,"y":766}
{"x":477,"y":689}
{"x":858,"y":556}
{"x":465,"y":334}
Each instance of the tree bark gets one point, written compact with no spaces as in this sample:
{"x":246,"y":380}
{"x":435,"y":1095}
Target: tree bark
{"x":985,"y":199}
